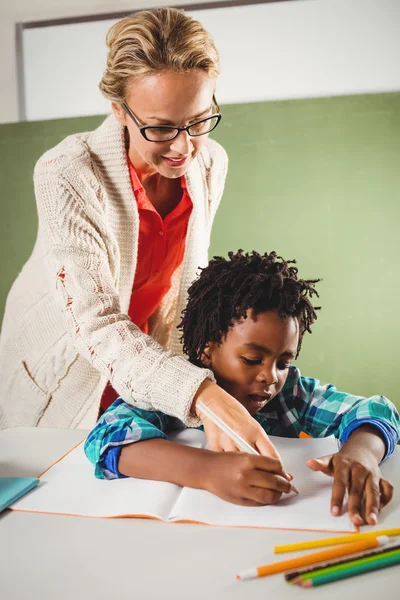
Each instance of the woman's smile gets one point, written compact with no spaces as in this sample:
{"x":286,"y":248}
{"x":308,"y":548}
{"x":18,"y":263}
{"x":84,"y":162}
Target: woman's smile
{"x":175,"y":162}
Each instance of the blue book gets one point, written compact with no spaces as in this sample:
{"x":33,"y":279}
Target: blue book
{"x":12,"y":488}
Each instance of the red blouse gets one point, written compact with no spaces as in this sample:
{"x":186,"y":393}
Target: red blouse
{"x":160,"y":252}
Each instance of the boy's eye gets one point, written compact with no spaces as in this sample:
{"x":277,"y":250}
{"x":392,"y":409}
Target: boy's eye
{"x":283,"y":366}
{"x":251,"y":361}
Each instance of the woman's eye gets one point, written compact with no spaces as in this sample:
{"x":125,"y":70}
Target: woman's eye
{"x":251,"y":361}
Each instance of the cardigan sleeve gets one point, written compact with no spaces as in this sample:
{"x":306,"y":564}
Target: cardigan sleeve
{"x":81,"y":259}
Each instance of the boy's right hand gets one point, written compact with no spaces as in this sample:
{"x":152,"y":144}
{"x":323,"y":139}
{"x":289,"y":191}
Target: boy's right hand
{"x":245,"y":479}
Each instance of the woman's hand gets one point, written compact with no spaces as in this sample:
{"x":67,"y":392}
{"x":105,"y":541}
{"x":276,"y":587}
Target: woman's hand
{"x":355,"y":468}
{"x":236,"y":416}
{"x":245,"y":479}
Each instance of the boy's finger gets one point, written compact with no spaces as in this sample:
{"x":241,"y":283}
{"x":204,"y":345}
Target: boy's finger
{"x":341,"y":480}
{"x":323,"y":464}
{"x":372,"y":500}
{"x":263,"y":496}
{"x":269,"y":481}
{"x":272,"y":465}
{"x":386,"y":490}
{"x":357,"y":482}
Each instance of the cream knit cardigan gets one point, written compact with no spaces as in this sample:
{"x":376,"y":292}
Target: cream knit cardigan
{"x":66,"y":330}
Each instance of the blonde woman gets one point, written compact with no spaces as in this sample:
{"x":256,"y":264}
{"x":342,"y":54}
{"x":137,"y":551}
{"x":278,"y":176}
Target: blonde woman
{"x":125,"y":214}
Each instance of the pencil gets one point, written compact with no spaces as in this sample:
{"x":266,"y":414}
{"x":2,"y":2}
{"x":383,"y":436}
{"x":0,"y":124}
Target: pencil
{"x":340,"y":561}
{"x":351,"y":572}
{"x":315,"y":557}
{"x":348,"y":565}
{"x":345,"y":539}
{"x":239,"y":441}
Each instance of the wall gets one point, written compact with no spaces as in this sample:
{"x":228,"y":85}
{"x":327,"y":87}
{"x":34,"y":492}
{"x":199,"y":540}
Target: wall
{"x":24,"y":11}
{"x":316,"y":180}
{"x":296,"y":49}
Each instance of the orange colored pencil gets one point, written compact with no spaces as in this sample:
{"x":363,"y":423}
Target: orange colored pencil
{"x":315,"y":557}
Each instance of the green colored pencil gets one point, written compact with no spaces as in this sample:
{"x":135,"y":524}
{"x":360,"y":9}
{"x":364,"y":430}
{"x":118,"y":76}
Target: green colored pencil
{"x":350,"y":572}
{"x":376,"y":552}
{"x":348,"y":565}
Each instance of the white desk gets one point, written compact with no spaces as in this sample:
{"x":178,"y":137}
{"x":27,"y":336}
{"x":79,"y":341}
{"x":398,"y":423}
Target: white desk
{"x":51,"y":557}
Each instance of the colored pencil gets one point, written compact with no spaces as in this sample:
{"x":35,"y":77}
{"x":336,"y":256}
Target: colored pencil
{"x":290,"y":575}
{"x":333,"y":541}
{"x":315,"y":557}
{"x":348,"y":565}
{"x":351,"y":572}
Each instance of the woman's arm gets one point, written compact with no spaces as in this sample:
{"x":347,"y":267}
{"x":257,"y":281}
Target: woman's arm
{"x":235,"y":416}
{"x":91,"y":280}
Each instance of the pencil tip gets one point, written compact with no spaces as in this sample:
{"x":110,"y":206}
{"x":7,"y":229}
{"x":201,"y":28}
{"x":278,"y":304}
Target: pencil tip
{"x":293,"y":489}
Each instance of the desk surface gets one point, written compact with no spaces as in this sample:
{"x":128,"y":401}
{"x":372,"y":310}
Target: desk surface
{"x":75,"y":558}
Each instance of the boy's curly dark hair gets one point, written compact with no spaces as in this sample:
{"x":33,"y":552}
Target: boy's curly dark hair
{"x":227,"y":288}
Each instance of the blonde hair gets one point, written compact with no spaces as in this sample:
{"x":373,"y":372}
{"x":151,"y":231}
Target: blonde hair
{"x":152,"y":41}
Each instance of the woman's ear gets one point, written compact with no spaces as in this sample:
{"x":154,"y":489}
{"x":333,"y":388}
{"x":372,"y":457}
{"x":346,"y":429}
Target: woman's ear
{"x":206,"y":356}
{"x":119,"y":113}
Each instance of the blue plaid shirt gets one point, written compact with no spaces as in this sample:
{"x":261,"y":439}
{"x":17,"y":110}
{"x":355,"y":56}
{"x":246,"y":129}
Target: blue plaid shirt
{"x":302,"y":405}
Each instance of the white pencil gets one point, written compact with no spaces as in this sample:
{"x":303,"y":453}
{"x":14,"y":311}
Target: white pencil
{"x":239,"y":441}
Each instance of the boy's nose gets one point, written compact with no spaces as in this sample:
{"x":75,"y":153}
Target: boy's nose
{"x":268,"y":376}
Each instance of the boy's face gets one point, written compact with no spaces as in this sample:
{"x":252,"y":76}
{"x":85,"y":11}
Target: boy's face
{"x":252,"y":361}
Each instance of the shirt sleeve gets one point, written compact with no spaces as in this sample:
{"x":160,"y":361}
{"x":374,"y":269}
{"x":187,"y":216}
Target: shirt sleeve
{"x":120,"y":425}
{"x":323,"y":410}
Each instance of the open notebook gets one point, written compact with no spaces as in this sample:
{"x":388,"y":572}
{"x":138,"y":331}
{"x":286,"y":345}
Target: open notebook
{"x":70,"y":488}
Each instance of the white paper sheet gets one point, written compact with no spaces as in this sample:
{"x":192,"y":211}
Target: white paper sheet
{"x":69,"y":487}
{"x":309,"y":510}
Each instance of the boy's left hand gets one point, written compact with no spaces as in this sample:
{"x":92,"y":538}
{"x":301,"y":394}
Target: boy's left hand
{"x":355,"y":470}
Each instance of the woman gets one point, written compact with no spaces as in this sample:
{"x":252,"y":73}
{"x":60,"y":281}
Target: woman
{"x":125,"y":214}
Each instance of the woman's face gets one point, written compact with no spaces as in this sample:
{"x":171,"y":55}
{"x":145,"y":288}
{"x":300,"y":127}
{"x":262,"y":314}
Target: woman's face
{"x":167,"y":99}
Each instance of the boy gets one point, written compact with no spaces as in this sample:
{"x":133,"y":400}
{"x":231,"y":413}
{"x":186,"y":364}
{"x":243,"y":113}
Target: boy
{"x":245,"y":320}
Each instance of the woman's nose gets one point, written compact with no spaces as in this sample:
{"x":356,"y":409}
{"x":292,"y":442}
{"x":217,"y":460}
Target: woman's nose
{"x":182,"y":143}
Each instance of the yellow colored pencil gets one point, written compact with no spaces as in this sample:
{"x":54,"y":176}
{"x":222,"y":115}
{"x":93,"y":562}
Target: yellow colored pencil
{"x":333,"y":541}
{"x":315,"y":557}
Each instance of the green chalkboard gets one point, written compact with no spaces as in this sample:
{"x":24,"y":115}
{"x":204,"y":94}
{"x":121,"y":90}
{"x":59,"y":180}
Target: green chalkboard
{"x":317,"y":180}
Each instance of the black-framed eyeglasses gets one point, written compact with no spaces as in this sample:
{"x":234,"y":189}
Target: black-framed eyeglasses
{"x":166,"y":133}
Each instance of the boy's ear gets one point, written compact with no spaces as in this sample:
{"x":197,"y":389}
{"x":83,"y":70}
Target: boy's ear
{"x":206,"y":356}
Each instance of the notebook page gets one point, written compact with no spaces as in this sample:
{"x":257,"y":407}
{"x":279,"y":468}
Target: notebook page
{"x":309,"y":510}
{"x":70,"y":488}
